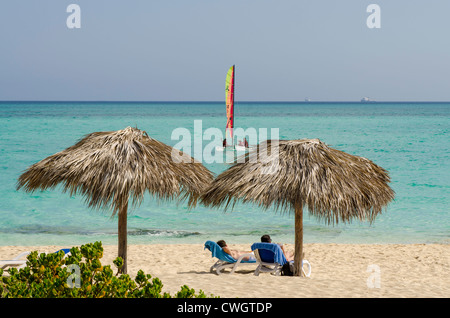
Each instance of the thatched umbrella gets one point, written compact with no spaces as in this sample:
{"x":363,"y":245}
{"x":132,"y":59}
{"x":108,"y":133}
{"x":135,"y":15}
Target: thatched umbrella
{"x":289,"y":175}
{"x":109,"y":168}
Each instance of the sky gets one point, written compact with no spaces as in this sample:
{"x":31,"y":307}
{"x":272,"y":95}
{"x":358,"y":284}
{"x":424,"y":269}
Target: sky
{"x":180,"y":50}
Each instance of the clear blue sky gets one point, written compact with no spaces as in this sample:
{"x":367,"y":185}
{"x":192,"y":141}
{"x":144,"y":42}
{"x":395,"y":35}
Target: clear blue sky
{"x":283,"y":50}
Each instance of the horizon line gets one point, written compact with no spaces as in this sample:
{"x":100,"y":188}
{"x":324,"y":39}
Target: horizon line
{"x":212,"y":101}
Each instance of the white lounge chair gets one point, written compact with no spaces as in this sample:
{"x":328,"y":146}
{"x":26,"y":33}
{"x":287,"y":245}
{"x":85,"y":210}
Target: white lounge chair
{"x":18,"y":261}
{"x":226,"y":261}
{"x":271,"y":259}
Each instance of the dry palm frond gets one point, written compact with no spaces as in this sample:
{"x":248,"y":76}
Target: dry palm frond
{"x":109,"y":168}
{"x":335,"y":186}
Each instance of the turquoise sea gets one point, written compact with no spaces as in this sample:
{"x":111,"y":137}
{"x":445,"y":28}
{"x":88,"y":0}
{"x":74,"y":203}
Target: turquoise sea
{"x":410,"y":140}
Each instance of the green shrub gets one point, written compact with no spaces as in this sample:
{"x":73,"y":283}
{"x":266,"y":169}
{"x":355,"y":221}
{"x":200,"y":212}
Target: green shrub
{"x":81,"y":275}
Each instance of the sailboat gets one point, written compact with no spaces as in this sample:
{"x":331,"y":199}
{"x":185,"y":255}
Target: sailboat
{"x":228,"y":142}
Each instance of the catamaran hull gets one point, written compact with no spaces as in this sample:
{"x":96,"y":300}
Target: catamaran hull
{"x":231,"y":148}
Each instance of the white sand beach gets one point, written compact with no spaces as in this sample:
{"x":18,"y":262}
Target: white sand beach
{"x":338,"y":270}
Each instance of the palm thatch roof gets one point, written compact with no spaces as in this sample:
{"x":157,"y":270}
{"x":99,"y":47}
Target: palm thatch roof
{"x":335,"y":185}
{"x":110,"y":167}
{"x":291,"y":174}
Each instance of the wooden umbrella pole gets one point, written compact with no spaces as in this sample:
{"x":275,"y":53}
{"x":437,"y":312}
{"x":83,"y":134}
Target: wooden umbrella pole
{"x":298,"y":258}
{"x":123,"y":237}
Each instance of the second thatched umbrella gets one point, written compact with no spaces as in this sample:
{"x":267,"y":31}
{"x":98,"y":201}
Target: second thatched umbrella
{"x":109,"y":168}
{"x":293,"y":174}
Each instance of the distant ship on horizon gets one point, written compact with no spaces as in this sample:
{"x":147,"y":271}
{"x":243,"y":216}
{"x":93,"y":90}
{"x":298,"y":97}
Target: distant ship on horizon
{"x":366,"y":100}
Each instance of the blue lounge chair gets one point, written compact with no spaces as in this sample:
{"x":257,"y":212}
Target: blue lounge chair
{"x":225,"y":260}
{"x":65,"y":250}
{"x":270,"y":258}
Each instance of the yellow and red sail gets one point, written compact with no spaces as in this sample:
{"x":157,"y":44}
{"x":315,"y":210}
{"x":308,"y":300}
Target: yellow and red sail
{"x":229,"y":100}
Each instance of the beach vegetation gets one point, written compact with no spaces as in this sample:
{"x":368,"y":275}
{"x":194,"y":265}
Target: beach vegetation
{"x":80,"y":274}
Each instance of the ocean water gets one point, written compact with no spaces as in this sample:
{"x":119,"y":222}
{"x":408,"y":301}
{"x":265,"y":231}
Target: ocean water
{"x":410,"y":140}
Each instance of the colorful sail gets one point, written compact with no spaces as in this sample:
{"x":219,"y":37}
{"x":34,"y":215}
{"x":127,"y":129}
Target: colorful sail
{"x":229,"y":100}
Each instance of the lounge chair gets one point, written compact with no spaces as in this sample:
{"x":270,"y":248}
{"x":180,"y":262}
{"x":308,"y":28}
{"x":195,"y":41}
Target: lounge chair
{"x":18,"y":261}
{"x":271,"y":259}
{"x":225,"y":260}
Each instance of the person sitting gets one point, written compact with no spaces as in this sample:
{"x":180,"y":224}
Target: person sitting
{"x":243,"y":143}
{"x":233,"y":253}
{"x":289,"y":255}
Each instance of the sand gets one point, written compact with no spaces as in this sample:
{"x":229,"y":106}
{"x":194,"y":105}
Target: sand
{"x":338,"y":270}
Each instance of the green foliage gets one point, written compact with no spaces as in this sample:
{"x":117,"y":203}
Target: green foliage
{"x":81,"y":275}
